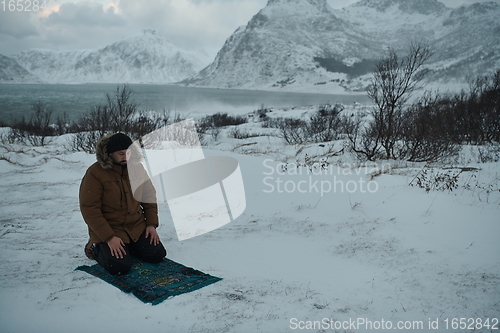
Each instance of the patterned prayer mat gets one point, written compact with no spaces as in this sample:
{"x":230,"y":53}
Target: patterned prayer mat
{"x":154,"y":283}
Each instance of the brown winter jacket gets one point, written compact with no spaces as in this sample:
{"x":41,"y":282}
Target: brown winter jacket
{"x":107,"y":204}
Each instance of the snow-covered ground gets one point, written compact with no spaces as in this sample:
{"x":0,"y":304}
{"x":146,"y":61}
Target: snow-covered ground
{"x":373,"y":251}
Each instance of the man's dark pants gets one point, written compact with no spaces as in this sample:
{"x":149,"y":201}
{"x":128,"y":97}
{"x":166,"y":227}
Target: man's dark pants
{"x":141,"y":249}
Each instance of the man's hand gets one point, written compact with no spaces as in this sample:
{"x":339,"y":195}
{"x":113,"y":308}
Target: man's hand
{"x":116,"y":246}
{"x":154,"y":239}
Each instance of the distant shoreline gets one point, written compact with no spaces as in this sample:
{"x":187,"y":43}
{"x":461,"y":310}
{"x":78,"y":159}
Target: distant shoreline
{"x":74,"y":99}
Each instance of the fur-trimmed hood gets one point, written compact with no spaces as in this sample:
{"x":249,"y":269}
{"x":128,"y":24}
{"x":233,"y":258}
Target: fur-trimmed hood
{"x":106,"y":161}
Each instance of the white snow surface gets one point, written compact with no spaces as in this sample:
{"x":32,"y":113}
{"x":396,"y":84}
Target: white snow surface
{"x":397,"y":254}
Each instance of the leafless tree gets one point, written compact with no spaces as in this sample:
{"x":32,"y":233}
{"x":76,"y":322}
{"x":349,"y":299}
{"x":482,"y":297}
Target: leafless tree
{"x":394,"y":80}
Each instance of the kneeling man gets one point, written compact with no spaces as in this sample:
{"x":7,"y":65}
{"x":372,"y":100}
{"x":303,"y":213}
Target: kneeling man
{"x":119,"y":225}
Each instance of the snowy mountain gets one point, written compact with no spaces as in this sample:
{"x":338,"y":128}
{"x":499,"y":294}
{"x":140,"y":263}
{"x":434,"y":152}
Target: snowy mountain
{"x":465,"y":40}
{"x":141,"y":58}
{"x":278,"y":46}
{"x":12,"y":72}
{"x":300,"y":43}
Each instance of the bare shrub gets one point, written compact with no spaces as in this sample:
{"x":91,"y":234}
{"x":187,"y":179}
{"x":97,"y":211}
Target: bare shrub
{"x":489,"y":153}
{"x":430,"y":179}
{"x":362,"y":138}
{"x":325,"y":125}
{"x":475,"y":114}
{"x":212,"y":124}
{"x":269,"y":122}
{"x":429,"y":129}
{"x":119,"y":114}
{"x":292,"y":130}
{"x":62,"y":124}
{"x":35,"y":131}
{"x":84,"y":141}
{"x":425,"y":134}
{"x":262,"y":113}
{"x":223,"y":120}
{"x":394,"y":80}
{"x":238,"y":133}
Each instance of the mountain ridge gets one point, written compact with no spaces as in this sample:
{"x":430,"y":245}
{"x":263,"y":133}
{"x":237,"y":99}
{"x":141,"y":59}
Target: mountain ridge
{"x":12,"y":72}
{"x":143,"y":57}
{"x":420,"y":6}
{"x":293,"y":45}
{"x":258,"y":52}
{"x":290,"y":44}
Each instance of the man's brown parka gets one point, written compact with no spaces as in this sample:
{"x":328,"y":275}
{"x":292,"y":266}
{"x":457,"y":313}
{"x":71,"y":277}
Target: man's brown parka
{"x":107,"y":204}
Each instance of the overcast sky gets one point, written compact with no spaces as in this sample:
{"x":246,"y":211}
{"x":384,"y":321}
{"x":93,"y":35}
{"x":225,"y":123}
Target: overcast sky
{"x":75,"y":24}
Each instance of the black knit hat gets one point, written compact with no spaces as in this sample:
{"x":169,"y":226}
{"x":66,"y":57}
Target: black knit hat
{"x":118,"y":141}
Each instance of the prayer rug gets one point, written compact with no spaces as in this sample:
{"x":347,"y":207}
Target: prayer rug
{"x":154,"y":283}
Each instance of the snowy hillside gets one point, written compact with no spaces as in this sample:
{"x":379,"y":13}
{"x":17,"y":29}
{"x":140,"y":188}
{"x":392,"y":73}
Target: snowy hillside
{"x":12,"y":72}
{"x":277,"y":48}
{"x":292,"y":44}
{"x":142,"y":58}
{"x":465,"y":40}
{"x":372,"y":248}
